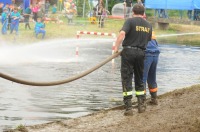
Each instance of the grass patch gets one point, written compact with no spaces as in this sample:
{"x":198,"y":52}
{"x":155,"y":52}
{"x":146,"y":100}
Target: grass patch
{"x":22,"y":128}
{"x":63,"y":31}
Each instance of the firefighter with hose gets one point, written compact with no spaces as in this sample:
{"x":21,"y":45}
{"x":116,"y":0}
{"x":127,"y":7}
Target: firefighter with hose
{"x":150,"y":65}
{"x":134,"y":36}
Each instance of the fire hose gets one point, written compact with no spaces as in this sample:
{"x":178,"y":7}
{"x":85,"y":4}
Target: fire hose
{"x":70,"y":79}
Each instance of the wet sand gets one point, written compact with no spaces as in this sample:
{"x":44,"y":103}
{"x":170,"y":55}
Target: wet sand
{"x":177,"y":111}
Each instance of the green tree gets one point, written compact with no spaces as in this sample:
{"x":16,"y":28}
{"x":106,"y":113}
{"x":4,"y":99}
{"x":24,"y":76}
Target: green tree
{"x":52,"y":2}
{"x":111,"y":3}
{"x":80,"y":6}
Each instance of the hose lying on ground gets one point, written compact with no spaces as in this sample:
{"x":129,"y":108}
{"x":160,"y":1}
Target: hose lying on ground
{"x":75,"y":77}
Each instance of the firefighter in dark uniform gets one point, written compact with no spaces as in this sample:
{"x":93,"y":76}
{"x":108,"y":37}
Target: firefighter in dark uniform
{"x":135,"y":34}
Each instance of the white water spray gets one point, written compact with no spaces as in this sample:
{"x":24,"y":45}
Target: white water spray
{"x":177,"y":34}
{"x":57,"y":51}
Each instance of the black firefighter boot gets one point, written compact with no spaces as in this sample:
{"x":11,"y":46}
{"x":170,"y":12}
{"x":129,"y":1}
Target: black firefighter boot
{"x":128,"y":107}
{"x":154,"y":99}
{"x":141,"y":103}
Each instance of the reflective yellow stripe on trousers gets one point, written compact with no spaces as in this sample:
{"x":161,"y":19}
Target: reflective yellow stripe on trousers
{"x":127,"y":93}
{"x":139,"y":92}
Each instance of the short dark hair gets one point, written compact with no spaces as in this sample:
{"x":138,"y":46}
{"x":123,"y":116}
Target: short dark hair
{"x":138,"y":9}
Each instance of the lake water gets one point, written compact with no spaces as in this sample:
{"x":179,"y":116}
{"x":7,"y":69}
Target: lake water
{"x":56,"y":60}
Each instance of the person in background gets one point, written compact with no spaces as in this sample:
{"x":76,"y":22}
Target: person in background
{"x":7,"y":6}
{"x":70,"y":9}
{"x":10,"y":10}
{"x":41,"y":11}
{"x":20,"y":10}
{"x":134,"y":36}
{"x":164,"y":13}
{"x":189,"y":14}
{"x":4,"y":21}
{"x":100,"y":7}
{"x":67,"y":5}
{"x":27,"y":14}
{"x":35,"y":9}
{"x":196,"y":14}
{"x":94,"y":13}
{"x":39,"y":28}
{"x":1,"y":9}
{"x":127,"y":8}
{"x":103,"y":16}
{"x":150,"y":66}
{"x":157,"y":11}
{"x":47,"y":5}
{"x":15,"y":16}
{"x":54,"y":9}
{"x":181,"y":14}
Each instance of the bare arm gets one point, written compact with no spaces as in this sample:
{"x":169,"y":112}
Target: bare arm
{"x":119,"y":40}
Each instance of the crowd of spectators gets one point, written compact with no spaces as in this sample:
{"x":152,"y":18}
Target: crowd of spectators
{"x":11,"y":15}
{"x":42,"y":10}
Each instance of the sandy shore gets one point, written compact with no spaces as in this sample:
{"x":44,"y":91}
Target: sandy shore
{"x":178,"y":111}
